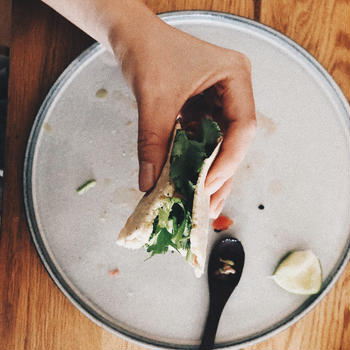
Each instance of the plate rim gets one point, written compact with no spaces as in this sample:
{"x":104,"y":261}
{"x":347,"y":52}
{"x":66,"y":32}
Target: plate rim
{"x":43,"y":254}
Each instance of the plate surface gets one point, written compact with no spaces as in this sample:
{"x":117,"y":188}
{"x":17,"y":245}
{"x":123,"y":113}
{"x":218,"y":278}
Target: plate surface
{"x":298,"y":168}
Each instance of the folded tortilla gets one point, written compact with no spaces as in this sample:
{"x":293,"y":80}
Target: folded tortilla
{"x":139,"y":225}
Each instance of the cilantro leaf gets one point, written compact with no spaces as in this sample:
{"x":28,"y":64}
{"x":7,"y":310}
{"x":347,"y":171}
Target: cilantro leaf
{"x":188,"y":155}
{"x":173,"y":224}
{"x":210,"y":132}
{"x":181,"y":144}
{"x":162,"y":243}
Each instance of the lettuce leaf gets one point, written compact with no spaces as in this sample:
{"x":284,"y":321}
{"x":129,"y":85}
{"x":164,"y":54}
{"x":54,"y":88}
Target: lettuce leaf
{"x":188,"y":155}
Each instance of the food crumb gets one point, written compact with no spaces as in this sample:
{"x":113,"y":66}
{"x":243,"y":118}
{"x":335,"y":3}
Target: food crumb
{"x":227,"y":261}
{"x":222,"y":223}
{"x":226,"y":269}
{"x":114,"y":272}
{"x":101,"y":93}
{"x":128,"y":123}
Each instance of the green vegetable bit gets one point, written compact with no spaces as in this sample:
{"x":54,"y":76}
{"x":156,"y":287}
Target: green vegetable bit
{"x":173,"y":224}
{"x":86,"y":186}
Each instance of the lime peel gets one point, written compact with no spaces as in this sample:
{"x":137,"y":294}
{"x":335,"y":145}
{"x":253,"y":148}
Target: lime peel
{"x":299,"y":272}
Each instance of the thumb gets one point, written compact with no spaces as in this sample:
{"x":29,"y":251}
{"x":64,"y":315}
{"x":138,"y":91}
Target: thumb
{"x":153,"y":142}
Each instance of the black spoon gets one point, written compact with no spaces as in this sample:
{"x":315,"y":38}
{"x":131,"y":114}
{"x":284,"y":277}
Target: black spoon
{"x":221,"y":285}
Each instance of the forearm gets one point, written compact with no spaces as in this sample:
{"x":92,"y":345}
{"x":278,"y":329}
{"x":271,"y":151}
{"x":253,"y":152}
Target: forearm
{"x":114,"y":23}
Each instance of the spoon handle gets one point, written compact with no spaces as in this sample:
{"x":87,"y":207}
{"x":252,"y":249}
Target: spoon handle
{"x":211,"y":325}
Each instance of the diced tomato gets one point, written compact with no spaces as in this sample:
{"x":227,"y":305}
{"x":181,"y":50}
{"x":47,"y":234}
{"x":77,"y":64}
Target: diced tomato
{"x":222,"y":223}
{"x":114,"y":273}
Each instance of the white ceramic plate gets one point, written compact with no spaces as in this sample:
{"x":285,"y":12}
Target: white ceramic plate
{"x":298,"y":168}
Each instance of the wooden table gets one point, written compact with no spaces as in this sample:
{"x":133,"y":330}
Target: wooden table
{"x":34,"y":314}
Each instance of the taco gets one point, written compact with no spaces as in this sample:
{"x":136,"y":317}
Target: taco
{"x":175,"y":214}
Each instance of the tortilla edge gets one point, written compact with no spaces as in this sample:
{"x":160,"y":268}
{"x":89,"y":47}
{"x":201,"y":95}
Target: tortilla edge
{"x":129,"y":236}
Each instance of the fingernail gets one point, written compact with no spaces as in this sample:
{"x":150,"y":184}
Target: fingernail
{"x":146,"y":176}
{"x":214,"y":185}
{"x":218,"y":208}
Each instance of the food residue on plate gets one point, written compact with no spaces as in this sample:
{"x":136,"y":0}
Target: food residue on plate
{"x":101,"y":93}
{"x":265,"y":123}
{"x":222,"y":223}
{"x":47,"y":127}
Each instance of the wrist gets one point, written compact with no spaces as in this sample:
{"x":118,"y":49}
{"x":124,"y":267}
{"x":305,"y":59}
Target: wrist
{"x":132,"y":27}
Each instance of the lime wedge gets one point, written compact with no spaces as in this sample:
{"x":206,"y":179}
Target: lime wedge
{"x":299,"y":272}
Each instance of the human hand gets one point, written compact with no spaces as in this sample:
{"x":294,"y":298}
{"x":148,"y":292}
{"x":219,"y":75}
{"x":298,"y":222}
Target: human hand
{"x":165,"y":67}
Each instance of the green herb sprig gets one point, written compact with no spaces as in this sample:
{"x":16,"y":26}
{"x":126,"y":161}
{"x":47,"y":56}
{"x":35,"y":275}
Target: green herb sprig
{"x":173,"y":224}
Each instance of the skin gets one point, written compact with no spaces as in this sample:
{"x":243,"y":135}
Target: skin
{"x":165,"y":67}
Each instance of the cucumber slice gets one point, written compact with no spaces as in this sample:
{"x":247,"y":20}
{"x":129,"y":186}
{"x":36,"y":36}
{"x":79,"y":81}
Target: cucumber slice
{"x":86,"y":186}
{"x":299,"y":272}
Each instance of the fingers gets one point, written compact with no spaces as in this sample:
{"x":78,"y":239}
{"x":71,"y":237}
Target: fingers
{"x":154,"y":131}
{"x":217,"y":200}
{"x":233,"y":149}
{"x":239,"y":112}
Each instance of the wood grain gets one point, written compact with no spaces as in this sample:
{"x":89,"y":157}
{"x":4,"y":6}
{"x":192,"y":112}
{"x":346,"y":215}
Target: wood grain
{"x":244,"y":8}
{"x":34,"y":314}
{"x":5,"y":23}
{"x":321,"y":27}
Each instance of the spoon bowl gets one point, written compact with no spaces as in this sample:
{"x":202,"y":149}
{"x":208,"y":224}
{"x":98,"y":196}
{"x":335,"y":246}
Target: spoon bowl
{"x":225,"y":268}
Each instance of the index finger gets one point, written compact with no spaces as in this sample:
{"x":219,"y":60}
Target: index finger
{"x":239,"y":113}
